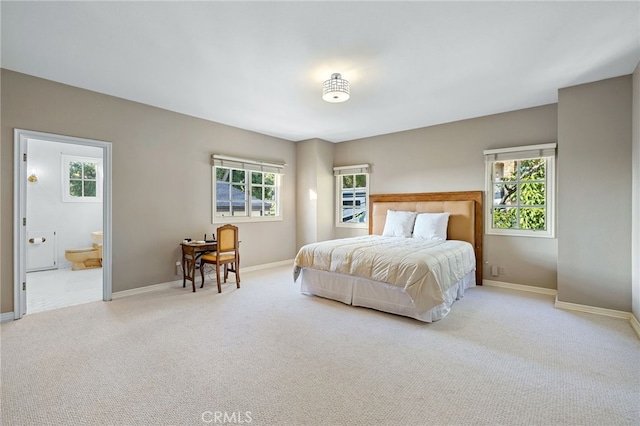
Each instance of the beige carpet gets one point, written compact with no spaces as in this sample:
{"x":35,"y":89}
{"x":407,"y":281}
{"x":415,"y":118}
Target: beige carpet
{"x":267,"y":355}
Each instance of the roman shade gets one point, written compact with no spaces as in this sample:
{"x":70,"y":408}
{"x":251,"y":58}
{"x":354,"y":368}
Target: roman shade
{"x":351,"y":170}
{"x":247,"y":164}
{"x":520,"y":153}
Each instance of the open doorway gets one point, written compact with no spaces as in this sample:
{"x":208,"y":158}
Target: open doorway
{"x":62,"y":221}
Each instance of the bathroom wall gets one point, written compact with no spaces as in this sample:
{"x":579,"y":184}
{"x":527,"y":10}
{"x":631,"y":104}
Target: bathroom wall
{"x":73,"y":222}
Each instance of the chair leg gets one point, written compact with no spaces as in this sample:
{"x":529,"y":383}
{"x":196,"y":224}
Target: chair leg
{"x":201,"y":274}
{"x":236,"y":270}
{"x":218,"y":277}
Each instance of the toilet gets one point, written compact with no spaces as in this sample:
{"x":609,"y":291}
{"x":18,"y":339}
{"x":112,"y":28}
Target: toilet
{"x":86,"y":258}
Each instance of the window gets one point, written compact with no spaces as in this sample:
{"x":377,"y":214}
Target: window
{"x":520,"y":185}
{"x":247,"y":190}
{"x":81,"y":179}
{"x":352,"y":195}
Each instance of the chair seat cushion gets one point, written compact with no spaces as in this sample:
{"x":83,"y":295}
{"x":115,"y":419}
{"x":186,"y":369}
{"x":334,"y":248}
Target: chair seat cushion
{"x":224,"y":258}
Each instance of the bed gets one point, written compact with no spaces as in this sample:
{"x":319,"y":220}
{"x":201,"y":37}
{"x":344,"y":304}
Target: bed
{"x":417,"y":275}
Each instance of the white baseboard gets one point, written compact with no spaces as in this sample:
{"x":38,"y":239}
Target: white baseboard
{"x":592,"y":310}
{"x":178,"y":282}
{"x":520,"y":287}
{"x":6,"y":317}
{"x":288,"y":262}
{"x":635,"y":324}
{"x":145,"y":289}
{"x":633,"y":321}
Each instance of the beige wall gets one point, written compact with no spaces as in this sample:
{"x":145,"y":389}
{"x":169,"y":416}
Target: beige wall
{"x":449,"y":157}
{"x":157,"y":154}
{"x":306,"y":188}
{"x":161,"y":177}
{"x":635,"y":253}
{"x":314,"y":191}
{"x":594,"y":194}
{"x":6,"y":296}
{"x":326,"y":191}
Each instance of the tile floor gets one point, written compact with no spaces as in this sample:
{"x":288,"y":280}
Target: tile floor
{"x":58,"y":288}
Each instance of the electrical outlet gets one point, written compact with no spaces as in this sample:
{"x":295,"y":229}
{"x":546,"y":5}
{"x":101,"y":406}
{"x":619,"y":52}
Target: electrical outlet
{"x":501,"y":270}
{"x":494,"y":271}
{"x":178,"y":267}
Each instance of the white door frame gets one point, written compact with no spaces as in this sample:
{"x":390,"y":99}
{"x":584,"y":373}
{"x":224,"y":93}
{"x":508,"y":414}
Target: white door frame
{"x":20,"y":138}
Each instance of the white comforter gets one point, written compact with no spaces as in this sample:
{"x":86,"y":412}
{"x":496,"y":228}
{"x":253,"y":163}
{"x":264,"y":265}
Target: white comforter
{"x":424,"y":269}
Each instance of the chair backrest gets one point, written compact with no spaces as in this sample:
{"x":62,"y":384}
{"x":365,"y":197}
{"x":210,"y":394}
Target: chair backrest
{"x":227,"y":238}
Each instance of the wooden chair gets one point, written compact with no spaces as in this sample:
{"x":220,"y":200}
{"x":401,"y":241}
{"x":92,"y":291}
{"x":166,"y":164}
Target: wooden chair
{"x":226,"y":255}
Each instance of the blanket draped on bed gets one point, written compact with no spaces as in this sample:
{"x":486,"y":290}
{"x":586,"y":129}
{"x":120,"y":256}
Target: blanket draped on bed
{"x":424,"y":269}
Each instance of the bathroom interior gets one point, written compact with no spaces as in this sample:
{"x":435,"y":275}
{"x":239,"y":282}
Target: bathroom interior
{"x":64,"y":233}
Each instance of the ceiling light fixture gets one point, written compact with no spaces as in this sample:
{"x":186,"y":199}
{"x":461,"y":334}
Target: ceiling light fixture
{"x":335,"y":89}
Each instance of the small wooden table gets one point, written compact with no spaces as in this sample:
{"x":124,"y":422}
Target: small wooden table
{"x":190,"y":254}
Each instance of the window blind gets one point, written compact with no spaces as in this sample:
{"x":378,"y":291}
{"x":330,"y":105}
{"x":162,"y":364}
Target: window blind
{"x":247,"y":164}
{"x":351,"y":170}
{"x":520,"y":153}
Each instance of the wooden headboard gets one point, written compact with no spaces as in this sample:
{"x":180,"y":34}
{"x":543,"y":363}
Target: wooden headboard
{"x":465,"y":220}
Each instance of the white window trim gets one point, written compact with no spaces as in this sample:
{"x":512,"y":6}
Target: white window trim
{"x":547,"y":151}
{"x":248,"y":165}
{"x":66,"y":197}
{"x":358,"y":169}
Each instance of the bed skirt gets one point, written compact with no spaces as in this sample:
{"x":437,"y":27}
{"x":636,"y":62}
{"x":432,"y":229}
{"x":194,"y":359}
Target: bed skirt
{"x":359,"y":291}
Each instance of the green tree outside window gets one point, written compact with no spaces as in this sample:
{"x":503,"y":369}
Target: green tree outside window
{"x":82,"y":179}
{"x":519,"y":200}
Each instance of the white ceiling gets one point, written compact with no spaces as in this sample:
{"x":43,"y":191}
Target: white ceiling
{"x":260,"y":65}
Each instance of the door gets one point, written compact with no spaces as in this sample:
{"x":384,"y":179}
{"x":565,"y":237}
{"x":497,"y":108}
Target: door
{"x":21,"y":238}
{"x":42,"y":250}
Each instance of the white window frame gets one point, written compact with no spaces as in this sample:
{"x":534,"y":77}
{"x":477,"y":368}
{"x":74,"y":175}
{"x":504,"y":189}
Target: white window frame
{"x":546,"y":151}
{"x":66,"y":184}
{"x":248,"y":166}
{"x":339,"y":172}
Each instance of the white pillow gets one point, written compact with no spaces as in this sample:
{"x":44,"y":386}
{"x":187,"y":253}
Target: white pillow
{"x":399,"y":224}
{"x":431,"y":226}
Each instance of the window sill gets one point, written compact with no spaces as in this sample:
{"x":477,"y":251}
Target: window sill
{"x":516,"y":233}
{"x":353,"y":225}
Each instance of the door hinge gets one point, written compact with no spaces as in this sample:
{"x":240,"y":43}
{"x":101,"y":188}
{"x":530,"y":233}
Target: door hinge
{"x":24,"y":221}
{"x":24,"y":157}
{"x":24,"y":286}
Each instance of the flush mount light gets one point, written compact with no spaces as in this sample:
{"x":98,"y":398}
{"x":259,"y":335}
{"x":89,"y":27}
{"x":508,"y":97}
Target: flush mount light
{"x":335,"y":89}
